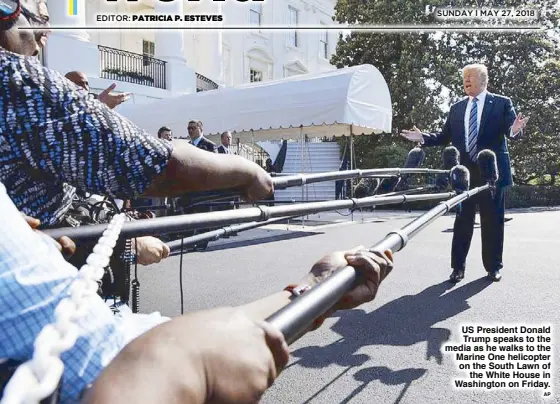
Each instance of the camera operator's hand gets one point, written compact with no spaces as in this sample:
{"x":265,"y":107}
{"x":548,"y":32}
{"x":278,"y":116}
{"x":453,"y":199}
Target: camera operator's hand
{"x":214,"y":356}
{"x":150,"y":250}
{"x":373,"y":267}
{"x":64,"y":244}
{"x":252,"y":355}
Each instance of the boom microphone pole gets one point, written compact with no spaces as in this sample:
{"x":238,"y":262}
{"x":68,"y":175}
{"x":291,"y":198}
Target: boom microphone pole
{"x":175,"y":245}
{"x":174,"y":224}
{"x":296,"y":180}
{"x":295,"y":318}
{"x":412,"y":163}
{"x":410,"y":191}
{"x":302,"y":179}
{"x":228,"y":195}
{"x":219,"y":233}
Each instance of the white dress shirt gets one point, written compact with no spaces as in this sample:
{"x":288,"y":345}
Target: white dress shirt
{"x":197,"y":141}
{"x":481,"y":99}
{"x":480,"y":106}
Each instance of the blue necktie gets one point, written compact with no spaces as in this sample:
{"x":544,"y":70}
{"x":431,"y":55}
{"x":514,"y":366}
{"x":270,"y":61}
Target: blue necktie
{"x":473,"y":131}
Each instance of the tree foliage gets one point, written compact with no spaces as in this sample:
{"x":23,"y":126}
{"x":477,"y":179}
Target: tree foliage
{"x":418,"y":66}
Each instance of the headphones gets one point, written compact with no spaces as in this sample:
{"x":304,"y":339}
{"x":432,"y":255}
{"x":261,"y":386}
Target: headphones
{"x":9,"y":13}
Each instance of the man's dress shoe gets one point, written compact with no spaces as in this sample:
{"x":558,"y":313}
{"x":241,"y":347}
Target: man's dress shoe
{"x":495,"y":276}
{"x":457,"y":275}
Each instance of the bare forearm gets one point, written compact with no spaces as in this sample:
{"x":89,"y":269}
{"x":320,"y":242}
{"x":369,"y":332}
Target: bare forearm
{"x":151,"y":370}
{"x":130,"y":384}
{"x":192,"y":169}
{"x":263,"y":308}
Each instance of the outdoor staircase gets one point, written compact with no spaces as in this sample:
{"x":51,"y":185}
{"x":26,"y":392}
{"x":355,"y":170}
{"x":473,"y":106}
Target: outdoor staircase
{"x":317,"y":157}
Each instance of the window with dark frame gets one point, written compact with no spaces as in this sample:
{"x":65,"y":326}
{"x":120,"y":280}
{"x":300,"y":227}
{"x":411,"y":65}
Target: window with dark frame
{"x":324,"y":44}
{"x":148,"y":51}
{"x":255,"y":76}
{"x":293,"y":15}
{"x":255,"y":14}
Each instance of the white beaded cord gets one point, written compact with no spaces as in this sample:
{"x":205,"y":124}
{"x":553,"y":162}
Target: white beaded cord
{"x":39,"y":377}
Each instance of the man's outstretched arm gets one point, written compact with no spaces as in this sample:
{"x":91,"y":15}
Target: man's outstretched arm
{"x":515,"y":123}
{"x":430,"y":139}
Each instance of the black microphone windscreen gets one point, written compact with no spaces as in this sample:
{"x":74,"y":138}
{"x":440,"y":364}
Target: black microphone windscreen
{"x":415,"y":158}
{"x":442,"y":181}
{"x":488,"y":166}
{"x":460,"y":178}
{"x":450,"y":157}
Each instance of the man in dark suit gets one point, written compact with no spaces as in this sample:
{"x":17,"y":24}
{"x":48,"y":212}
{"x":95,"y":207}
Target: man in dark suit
{"x":195,"y":129}
{"x":480,"y":121}
{"x":224,"y":148}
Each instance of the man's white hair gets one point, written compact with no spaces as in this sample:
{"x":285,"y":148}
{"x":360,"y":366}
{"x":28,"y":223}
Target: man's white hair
{"x":481,"y":70}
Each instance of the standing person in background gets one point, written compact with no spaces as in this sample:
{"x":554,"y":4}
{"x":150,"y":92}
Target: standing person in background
{"x":224,"y":148}
{"x":195,"y":129}
{"x":481,"y":120}
{"x":165,"y":133}
{"x":106,"y":97}
{"x":270,"y":168}
{"x":196,"y":134}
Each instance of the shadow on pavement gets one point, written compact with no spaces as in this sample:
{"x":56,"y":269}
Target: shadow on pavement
{"x":405,"y":321}
{"x":386,"y":376}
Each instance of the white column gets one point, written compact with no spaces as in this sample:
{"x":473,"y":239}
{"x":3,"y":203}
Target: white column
{"x":219,"y":60}
{"x":69,"y":50}
{"x":216,"y":46}
{"x":170,"y":47}
{"x":60,"y":16}
{"x":209,"y":56}
{"x":170,"y":44}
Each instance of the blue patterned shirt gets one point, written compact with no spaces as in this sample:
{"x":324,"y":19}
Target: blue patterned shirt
{"x":54,"y":137}
{"x":34,"y":278}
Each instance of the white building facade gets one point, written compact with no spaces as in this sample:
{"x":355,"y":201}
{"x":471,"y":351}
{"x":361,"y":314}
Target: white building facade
{"x":155,"y":64}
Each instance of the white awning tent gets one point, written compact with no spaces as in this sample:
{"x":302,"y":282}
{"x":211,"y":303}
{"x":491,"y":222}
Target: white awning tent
{"x":352,"y":100}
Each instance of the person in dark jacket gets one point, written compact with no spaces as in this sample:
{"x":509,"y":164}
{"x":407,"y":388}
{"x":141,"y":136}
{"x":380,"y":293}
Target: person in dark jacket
{"x":196,"y":134}
{"x":481,"y":120}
